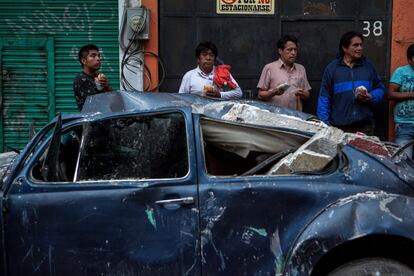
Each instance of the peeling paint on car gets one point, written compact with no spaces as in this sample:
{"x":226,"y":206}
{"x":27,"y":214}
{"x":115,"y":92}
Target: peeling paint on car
{"x":276,"y":249}
{"x":383,"y":207}
{"x":261,"y":232}
{"x":363,"y":165}
{"x":214,"y":213}
{"x":150,"y":216}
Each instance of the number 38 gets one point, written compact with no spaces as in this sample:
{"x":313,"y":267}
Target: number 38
{"x":376,"y":28}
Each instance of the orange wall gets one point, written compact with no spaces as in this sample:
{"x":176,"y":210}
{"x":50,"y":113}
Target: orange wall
{"x":402,"y":36}
{"x":402,"y":31}
{"x":152,"y":44}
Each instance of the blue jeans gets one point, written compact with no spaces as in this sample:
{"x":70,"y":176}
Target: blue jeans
{"x":404,"y":133}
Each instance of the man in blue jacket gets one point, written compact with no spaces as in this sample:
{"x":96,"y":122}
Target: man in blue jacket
{"x":350,"y":88}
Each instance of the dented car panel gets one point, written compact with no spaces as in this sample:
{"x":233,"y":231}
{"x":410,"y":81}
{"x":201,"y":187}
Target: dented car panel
{"x":163,"y":184}
{"x":104,"y":227}
{"x":368,"y":213}
{"x":263,"y":217}
{"x":102,"y":230}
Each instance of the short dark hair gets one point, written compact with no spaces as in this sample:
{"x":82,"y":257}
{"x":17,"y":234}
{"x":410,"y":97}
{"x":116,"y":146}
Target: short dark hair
{"x":281,"y":43}
{"x":84,"y":52}
{"x":346,"y":40}
{"x":410,"y":51}
{"x":204,"y":46}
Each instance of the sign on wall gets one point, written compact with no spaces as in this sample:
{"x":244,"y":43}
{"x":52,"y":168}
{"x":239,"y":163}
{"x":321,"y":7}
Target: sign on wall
{"x":246,"y":6}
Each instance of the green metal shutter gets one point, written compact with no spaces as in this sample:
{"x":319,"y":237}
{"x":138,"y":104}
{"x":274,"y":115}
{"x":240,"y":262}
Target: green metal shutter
{"x":26,"y":87}
{"x":71,"y":24}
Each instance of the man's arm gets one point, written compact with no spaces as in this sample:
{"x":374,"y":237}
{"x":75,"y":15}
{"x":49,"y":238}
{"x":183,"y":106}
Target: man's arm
{"x":378,"y":88}
{"x":304,"y":87}
{"x":267,"y":94}
{"x":236,"y":93}
{"x":395,"y":86}
{"x":324,"y":100}
{"x":77,"y":92}
{"x":185,"y":84}
{"x":232,"y":94}
{"x":395,"y":94}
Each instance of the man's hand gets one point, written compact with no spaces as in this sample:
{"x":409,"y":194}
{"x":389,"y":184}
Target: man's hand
{"x":276,"y":91}
{"x":213,"y":93}
{"x":105,"y":84}
{"x":303,"y":94}
{"x":267,"y":94}
{"x":366,"y":98}
{"x":361,"y":94}
{"x":102,"y":82}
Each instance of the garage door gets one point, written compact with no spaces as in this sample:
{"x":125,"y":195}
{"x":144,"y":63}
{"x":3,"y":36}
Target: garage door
{"x":27,"y":88}
{"x":248,"y":41}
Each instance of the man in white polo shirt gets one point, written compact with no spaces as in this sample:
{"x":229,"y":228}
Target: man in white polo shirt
{"x":207,"y":79}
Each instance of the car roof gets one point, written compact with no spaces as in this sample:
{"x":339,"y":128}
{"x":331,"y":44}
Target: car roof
{"x":127,"y":101}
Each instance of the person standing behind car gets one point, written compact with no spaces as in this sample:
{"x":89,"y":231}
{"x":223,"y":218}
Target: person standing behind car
{"x":88,"y":81}
{"x":284,"y":82}
{"x":207,"y":79}
{"x":350,"y":88}
{"x":401,"y":89}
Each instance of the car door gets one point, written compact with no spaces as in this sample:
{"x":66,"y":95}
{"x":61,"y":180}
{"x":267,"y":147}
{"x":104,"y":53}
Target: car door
{"x":249,"y":220}
{"x":114,"y":195}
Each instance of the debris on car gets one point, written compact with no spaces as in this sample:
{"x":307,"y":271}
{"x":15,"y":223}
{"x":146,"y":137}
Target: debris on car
{"x":6,"y":159}
{"x":315,"y":153}
{"x":163,"y":183}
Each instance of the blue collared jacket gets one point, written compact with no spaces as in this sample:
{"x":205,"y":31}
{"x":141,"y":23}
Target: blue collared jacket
{"x":337,"y":104}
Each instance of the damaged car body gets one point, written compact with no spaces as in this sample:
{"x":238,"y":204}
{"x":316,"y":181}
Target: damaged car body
{"x":170,"y":184}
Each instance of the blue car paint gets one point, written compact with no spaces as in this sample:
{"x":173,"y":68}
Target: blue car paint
{"x":238,"y":225}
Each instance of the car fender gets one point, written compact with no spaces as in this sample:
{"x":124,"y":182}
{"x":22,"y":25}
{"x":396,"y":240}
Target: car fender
{"x":356,"y":216}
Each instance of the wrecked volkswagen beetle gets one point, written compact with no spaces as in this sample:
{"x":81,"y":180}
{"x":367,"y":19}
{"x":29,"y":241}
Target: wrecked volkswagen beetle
{"x":170,"y":184}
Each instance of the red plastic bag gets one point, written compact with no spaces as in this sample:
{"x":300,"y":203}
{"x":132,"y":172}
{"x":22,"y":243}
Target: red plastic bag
{"x":222,"y":76}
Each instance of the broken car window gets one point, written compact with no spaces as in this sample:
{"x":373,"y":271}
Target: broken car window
{"x":64,"y":159}
{"x":235,"y":149}
{"x":139,"y":147}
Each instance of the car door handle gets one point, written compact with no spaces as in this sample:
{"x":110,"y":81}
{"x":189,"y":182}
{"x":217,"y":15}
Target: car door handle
{"x":184,"y":200}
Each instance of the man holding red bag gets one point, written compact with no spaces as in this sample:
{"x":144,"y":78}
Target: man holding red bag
{"x":209,"y":80}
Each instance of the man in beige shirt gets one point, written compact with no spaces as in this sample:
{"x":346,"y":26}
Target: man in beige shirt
{"x":284,"y":82}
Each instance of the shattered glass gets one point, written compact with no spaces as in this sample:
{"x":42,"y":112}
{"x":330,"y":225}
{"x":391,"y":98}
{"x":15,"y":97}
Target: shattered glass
{"x":140,"y":147}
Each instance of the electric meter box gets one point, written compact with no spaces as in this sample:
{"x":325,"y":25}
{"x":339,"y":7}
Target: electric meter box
{"x":138,"y":22}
